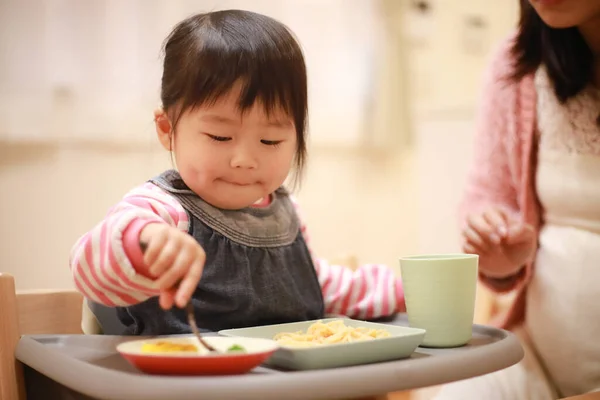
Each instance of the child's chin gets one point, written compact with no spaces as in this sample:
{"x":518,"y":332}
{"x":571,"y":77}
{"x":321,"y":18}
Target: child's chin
{"x":232,"y":204}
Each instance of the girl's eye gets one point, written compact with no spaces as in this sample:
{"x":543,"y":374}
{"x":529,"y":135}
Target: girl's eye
{"x":219,"y":138}
{"x":271,"y":142}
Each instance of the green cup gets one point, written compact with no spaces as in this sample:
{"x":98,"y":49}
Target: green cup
{"x":440,"y":296}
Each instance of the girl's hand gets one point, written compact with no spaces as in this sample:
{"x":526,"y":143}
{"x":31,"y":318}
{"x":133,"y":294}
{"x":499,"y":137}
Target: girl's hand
{"x":175,"y":259}
{"x":504,"y":245}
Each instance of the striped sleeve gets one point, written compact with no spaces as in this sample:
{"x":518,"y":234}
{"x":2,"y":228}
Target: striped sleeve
{"x":106,"y":262}
{"x":372,"y":291}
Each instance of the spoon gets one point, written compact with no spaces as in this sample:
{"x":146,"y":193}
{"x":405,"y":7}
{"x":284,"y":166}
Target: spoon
{"x":189,"y":309}
{"x":191,"y":316}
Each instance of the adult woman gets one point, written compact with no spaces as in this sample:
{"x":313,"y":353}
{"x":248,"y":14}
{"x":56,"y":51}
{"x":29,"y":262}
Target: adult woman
{"x":532,"y":205}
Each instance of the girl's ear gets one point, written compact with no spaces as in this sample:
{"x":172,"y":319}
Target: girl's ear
{"x":163,"y":128}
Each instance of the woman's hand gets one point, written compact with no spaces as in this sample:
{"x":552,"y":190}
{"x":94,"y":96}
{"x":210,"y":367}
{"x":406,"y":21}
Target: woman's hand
{"x":504,"y":245}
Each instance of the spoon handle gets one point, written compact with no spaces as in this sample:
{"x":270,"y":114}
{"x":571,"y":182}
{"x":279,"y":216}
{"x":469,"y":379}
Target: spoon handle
{"x":189,"y":309}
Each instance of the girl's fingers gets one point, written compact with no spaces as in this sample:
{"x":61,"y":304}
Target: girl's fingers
{"x":154,"y":245}
{"x":167,"y":299}
{"x":189,"y":284}
{"x":166,"y":258}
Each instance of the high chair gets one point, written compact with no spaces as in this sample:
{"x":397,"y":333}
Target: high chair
{"x":36,"y":312}
{"x":60,"y":312}
{"x":29,"y":313}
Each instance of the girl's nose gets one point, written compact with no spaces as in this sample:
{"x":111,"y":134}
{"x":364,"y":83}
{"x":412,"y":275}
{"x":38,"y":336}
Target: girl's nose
{"x":243,"y":158}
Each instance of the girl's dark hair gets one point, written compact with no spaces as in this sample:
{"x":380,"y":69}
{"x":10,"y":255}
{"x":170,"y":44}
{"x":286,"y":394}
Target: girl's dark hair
{"x":565,"y":54}
{"x":207,"y":54}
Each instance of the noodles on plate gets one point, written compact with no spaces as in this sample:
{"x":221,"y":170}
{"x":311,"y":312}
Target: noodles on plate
{"x":333,"y":332}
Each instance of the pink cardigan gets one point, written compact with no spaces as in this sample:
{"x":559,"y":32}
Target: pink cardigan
{"x":503,"y":171}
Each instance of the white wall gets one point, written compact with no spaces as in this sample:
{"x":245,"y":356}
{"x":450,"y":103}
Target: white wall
{"x":75,"y":89}
{"x":447,"y":64}
{"x":375,"y":206}
{"x":50,"y":195}
{"x":355,"y":204}
{"x":444,"y":144}
{"x":448,"y":57}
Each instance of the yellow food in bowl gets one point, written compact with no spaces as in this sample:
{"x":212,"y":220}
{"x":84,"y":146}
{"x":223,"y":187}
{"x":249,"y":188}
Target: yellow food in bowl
{"x":168,"y":347}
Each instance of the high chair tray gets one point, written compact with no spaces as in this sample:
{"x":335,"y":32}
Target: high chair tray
{"x":87,"y":367}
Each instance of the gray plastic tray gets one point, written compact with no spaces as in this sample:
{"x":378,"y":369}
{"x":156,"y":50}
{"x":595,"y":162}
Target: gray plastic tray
{"x":88,"y":367}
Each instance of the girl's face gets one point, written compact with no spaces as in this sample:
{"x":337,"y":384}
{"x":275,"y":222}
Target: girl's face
{"x":230,"y":159}
{"x":567,"y":13}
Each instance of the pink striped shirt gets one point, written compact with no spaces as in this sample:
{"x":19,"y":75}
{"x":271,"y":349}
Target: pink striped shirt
{"x":107,"y":264}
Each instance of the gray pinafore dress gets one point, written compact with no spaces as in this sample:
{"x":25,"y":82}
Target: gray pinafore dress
{"x":258,"y":268}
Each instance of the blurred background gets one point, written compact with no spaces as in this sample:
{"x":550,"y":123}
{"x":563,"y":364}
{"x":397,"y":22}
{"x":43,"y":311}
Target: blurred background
{"x":393,"y":85}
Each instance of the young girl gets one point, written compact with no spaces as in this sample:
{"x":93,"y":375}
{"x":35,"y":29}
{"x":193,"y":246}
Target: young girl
{"x":221,"y":231}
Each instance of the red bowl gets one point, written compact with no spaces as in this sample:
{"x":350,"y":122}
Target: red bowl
{"x":203,"y":362}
